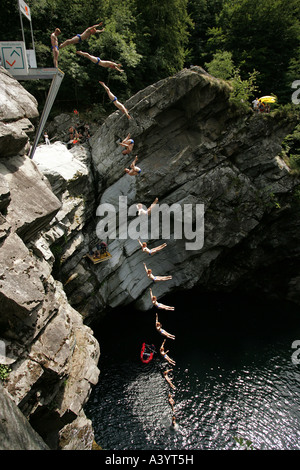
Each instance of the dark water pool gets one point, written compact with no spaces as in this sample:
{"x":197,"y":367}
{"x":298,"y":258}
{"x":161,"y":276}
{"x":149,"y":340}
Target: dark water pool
{"x":234,"y":376}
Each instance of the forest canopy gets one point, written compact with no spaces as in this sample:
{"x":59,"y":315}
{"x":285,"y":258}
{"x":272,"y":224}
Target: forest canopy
{"x":154,"y":39}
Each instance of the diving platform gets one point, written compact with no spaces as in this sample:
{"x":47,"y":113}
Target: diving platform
{"x":56,"y":76}
{"x":38,"y":74}
{"x":15,"y":59}
{"x":21,"y":63}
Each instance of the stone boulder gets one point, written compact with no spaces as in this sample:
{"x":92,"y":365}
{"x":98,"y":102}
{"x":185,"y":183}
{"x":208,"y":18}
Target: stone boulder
{"x":15,"y":430}
{"x":32,"y":202}
{"x":17,"y":109}
{"x":52,"y":355}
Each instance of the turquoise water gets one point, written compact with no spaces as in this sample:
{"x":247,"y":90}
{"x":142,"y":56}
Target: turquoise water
{"x":234,"y":376}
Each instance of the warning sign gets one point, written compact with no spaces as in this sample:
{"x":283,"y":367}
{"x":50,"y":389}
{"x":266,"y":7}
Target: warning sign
{"x":24,"y":8}
{"x":13,"y":57}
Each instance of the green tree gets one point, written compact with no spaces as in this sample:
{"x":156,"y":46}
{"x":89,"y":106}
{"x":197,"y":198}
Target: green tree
{"x":118,"y":43}
{"x":221,"y":65}
{"x":203,"y":14}
{"x":10,"y":21}
{"x":80,"y":85}
{"x":243,"y":90}
{"x":154,"y":39}
{"x":263,"y":35}
{"x":163,"y":32}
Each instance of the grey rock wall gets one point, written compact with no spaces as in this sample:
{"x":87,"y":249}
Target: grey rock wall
{"x":17,"y":109}
{"x":52,"y":355}
{"x":193,"y":148}
{"x":16,"y":433}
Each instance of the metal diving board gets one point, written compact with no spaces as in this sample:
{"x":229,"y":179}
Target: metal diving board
{"x":38,"y":74}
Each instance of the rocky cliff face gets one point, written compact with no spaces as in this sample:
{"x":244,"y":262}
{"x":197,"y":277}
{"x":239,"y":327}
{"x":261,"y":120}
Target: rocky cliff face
{"x":193,"y":148}
{"x":16,"y":433}
{"x":52,"y":355}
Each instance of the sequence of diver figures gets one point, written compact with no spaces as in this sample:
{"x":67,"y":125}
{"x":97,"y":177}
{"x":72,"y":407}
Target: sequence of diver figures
{"x":148,"y":351}
{"x":128,"y":144}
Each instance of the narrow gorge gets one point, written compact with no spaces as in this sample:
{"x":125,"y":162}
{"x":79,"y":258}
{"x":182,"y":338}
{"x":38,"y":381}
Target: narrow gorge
{"x":194,"y":147}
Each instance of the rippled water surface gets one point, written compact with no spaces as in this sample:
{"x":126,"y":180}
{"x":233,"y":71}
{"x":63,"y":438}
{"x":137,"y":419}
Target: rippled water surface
{"x":234,"y":376}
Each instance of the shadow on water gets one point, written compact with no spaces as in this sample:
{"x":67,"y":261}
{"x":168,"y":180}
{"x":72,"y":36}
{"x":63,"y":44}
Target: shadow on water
{"x":233,"y":375}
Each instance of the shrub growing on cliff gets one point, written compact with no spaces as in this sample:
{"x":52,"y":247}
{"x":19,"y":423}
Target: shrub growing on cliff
{"x":291,"y":150}
{"x":243,"y":90}
{"x":4,"y":372}
{"x":222,"y":66}
{"x":245,"y":444}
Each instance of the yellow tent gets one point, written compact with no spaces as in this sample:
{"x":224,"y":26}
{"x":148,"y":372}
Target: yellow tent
{"x":268,"y":99}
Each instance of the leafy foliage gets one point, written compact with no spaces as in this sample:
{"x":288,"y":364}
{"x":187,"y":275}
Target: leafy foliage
{"x":4,"y":372}
{"x":162,"y":37}
{"x":243,"y":90}
{"x":263,"y":35}
{"x":222,"y":67}
{"x":245,"y":444}
{"x":291,"y":150}
{"x":242,"y":40}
